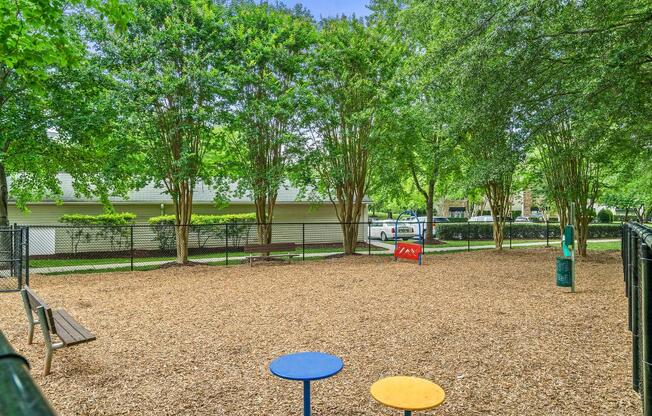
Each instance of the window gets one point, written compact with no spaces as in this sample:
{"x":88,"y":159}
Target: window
{"x":457,"y":212}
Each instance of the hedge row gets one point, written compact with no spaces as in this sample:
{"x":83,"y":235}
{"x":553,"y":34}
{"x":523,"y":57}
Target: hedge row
{"x":199,"y":219}
{"x":525,"y":231}
{"x":204,"y":229}
{"x":101,"y":228}
{"x":120,"y":218}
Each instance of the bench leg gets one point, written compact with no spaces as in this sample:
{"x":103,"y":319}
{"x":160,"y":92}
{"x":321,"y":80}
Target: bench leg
{"x":49,"y":348}
{"x":30,"y":334}
{"x":30,"y":317}
{"x":251,"y":261}
{"x":48,"y":360}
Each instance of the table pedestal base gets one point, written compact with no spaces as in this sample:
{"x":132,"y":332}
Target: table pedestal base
{"x":306,"y":398}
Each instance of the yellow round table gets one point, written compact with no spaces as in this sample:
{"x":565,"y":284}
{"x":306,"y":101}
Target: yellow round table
{"x":407,"y":393}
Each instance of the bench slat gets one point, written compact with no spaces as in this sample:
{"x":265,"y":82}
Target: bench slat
{"x":264,"y":248}
{"x":36,"y":302}
{"x":83,"y":331}
{"x":69,"y":330}
{"x":65,"y":335}
{"x":269,"y":256}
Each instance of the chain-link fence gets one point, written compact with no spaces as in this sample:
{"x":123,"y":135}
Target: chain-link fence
{"x":14,"y":261}
{"x":68,"y":248}
{"x":637,"y":270}
{"x":65,"y":249}
{"x":478,"y":235}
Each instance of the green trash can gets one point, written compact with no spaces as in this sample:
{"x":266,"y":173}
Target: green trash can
{"x":564,"y":272}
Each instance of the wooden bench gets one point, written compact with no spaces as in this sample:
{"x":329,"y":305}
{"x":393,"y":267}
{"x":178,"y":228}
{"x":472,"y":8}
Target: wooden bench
{"x":268,"y":248}
{"x":56,"y":322}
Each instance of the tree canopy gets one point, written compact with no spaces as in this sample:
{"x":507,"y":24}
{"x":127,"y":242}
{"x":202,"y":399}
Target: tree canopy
{"x":420,"y":101}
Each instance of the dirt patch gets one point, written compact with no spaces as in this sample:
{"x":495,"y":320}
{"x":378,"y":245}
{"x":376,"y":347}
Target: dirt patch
{"x":489,"y":327}
{"x":192,"y":251}
{"x":172,"y":264}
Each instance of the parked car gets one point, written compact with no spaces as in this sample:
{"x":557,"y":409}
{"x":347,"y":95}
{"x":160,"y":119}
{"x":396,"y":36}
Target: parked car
{"x":522,"y":219}
{"x":537,"y":217}
{"x":482,"y":218}
{"x":386,"y":230}
{"x":422,"y":220}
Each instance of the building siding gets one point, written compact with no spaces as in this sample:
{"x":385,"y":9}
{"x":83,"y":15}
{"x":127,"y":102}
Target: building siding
{"x":41,"y":215}
{"x":49,"y":214}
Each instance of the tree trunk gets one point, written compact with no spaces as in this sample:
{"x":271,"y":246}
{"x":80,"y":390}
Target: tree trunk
{"x":563,"y":211}
{"x":429,"y":214}
{"x":182,"y":244}
{"x":429,"y":195}
{"x":4,"y":197}
{"x":350,"y":242}
{"x":499,"y":195}
{"x":265,"y":205}
{"x":498,"y":233}
{"x":183,"y":218}
{"x":640,"y":214}
{"x":582,"y":227}
{"x":348,"y":209}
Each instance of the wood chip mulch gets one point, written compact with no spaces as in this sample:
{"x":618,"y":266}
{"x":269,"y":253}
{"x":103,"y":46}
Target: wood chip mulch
{"x":489,"y":327}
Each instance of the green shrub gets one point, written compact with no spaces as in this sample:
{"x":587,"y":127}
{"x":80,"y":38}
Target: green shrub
{"x":119,"y":218}
{"x":161,"y":219}
{"x":605,"y":216}
{"x":203,"y":228}
{"x":111,"y":227}
{"x":457,"y":219}
{"x":200,"y":219}
{"x":519,"y":230}
{"x":164,"y":234}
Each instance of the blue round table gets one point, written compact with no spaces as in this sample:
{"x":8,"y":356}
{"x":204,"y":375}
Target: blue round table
{"x":306,"y":367}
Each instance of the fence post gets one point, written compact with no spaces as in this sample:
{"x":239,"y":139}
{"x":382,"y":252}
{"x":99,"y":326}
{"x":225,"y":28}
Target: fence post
{"x":20,"y":394}
{"x":26,"y":256}
{"x":625,"y":244}
{"x":510,"y":233}
{"x":303,"y":241}
{"x":547,"y":235}
{"x":645,"y":285}
{"x":423,"y":237}
{"x":226,"y":249}
{"x":369,"y":237}
{"x":468,"y":235}
{"x":13,"y":261}
{"x":131,"y":231}
{"x":636,"y":373}
{"x":630,"y":261}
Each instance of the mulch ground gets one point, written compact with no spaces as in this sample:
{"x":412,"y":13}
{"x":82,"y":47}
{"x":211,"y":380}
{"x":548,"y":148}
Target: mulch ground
{"x":490,"y":328}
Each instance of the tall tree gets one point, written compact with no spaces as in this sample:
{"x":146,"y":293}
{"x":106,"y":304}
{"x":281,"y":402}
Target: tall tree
{"x":351,"y":68}
{"x":628,"y":186}
{"x":574,"y":176}
{"x":170,"y":67}
{"x":421,"y":145}
{"x":585,"y":107}
{"x":270,"y":49}
{"x":38,"y":41}
{"x":477,"y":51}
{"x":420,"y":151}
